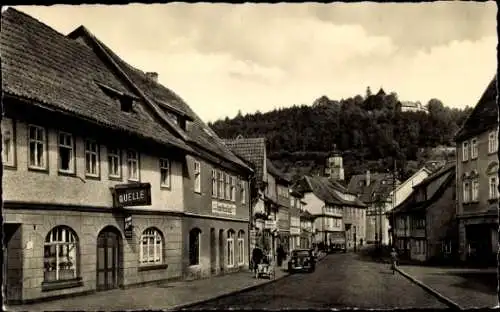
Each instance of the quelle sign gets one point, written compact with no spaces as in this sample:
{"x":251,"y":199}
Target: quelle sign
{"x":132,"y":195}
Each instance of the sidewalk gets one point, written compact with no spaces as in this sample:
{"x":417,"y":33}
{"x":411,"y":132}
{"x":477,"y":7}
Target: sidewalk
{"x":468,"y":288}
{"x":167,"y":296}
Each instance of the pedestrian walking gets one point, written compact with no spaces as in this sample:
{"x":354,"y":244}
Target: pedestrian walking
{"x":394,"y":259}
{"x":257,"y":255}
{"x":281,"y":254}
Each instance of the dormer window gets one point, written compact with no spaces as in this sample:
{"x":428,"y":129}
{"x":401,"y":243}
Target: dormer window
{"x":126,"y":104}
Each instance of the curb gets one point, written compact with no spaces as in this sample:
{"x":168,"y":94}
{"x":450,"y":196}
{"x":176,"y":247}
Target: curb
{"x":231,"y":293}
{"x":430,"y":290}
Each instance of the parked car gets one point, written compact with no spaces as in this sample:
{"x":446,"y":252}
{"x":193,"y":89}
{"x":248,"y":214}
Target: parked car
{"x":302,"y":260}
{"x":338,"y":248}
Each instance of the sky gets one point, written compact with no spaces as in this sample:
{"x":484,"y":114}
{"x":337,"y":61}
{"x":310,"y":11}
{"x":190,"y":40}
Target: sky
{"x":225,"y":58}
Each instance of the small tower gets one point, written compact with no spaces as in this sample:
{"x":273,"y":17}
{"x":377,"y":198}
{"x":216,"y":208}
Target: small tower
{"x":334,"y":166}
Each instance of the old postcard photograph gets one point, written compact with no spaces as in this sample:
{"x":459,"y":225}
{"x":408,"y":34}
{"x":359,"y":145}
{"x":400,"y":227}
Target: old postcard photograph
{"x":177,"y":156}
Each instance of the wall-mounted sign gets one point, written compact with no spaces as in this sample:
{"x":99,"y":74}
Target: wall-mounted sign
{"x":128,"y":227}
{"x":270,"y":224}
{"x":134,"y":194}
{"x":295,"y":231}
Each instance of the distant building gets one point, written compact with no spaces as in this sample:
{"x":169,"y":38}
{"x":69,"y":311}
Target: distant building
{"x":408,"y":106}
{"x":307,"y":230}
{"x":334,"y":168}
{"x":374,"y":190}
{"x":477,"y":180}
{"x":270,"y":209}
{"x":339,"y":215}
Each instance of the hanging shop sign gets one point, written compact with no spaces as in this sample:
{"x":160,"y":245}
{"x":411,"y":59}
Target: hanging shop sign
{"x":128,"y":227}
{"x":135,"y":194}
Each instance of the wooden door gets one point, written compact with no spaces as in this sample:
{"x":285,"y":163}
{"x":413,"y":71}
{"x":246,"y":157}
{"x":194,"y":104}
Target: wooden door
{"x":108,"y":260}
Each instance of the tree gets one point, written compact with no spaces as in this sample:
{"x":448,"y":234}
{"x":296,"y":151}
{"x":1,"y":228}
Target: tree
{"x":368,"y":92}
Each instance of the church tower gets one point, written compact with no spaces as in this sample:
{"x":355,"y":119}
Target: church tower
{"x":334,"y":166}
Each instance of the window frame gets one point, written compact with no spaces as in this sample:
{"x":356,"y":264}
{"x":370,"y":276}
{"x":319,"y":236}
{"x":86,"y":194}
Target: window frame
{"x":241,"y":248}
{"x":230,"y":250}
{"x":243,"y":191}
{"x":493,"y":191}
{"x":72,"y":158}
{"x":115,"y":153}
{"x":465,"y":192}
{"x":220,"y":184}
{"x":156,"y":235}
{"x":475,"y":190}
{"x":227,"y":186}
{"x":44,"y":142}
{"x":214,"y":183}
{"x":192,"y":232}
{"x":135,"y":160}
{"x":493,"y":141}
{"x":51,"y":241}
{"x":165,"y":165}
{"x":465,"y":151}
{"x":97,"y":158}
{"x":197,"y":176}
{"x":233,"y":188}
{"x":10,"y":124}
{"x":474,"y":149}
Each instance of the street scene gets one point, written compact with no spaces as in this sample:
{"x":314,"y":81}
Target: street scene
{"x":285,"y":156}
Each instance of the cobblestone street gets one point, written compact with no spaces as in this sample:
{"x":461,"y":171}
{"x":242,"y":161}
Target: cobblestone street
{"x":340,"y":281}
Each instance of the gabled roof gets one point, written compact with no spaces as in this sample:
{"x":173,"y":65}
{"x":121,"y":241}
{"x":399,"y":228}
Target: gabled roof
{"x":411,"y":205}
{"x":484,"y":116}
{"x":304,"y":214}
{"x":198,"y":132}
{"x":251,"y":149}
{"x":324,"y":189}
{"x":275,"y":172}
{"x":357,"y":185}
{"x":68,"y":73}
{"x":451,"y":165}
{"x":39,"y":64}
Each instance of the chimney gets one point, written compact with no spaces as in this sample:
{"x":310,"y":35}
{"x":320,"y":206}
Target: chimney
{"x":367,"y":177}
{"x":153,"y":76}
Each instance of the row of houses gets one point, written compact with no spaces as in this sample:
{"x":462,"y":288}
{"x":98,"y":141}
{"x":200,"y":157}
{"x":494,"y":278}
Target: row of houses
{"x":452,"y":215}
{"x":109,"y":179}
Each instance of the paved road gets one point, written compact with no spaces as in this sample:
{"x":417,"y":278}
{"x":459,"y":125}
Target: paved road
{"x":340,"y":281}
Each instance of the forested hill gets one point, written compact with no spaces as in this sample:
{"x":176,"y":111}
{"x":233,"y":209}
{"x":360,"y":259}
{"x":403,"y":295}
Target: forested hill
{"x":370,"y":130}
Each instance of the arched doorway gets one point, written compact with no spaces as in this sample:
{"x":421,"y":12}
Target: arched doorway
{"x":109,"y":258}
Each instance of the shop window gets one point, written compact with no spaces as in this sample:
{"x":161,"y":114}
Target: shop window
{"x":60,"y":254}
{"x":230,"y":248}
{"x":241,"y":247}
{"x":151,"y":249}
{"x":194,"y":246}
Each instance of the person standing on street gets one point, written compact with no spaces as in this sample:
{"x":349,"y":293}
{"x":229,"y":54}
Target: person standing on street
{"x":257,"y":256}
{"x":394,"y":259}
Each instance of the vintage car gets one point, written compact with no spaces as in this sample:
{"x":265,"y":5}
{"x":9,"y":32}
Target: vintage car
{"x":302,"y":260}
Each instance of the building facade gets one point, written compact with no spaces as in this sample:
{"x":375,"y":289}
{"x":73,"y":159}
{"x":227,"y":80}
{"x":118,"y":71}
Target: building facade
{"x":295,"y":229}
{"x":425,"y":227}
{"x":374,"y":189}
{"x":307,"y":229}
{"x":477,"y":180}
{"x":337,"y":213}
{"x":97,"y":168}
